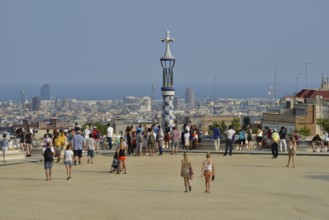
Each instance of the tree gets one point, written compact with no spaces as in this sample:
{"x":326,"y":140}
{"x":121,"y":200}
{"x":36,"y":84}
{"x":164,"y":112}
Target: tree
{"x":305,"y":131}
{"x":236,"y":124}
{"x":323,"y":123}
{"x":222,"y":127}
{"x":246,"y":122}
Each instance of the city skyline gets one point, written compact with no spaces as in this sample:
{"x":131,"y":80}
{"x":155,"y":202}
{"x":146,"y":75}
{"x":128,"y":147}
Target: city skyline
{"x":91,"y":42}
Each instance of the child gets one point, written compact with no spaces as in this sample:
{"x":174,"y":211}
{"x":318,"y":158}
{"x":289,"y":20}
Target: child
{"x":48,"y":153}
{"x":68,"y":153}
{"x":91,"y":146}
{"x":115,"y":162}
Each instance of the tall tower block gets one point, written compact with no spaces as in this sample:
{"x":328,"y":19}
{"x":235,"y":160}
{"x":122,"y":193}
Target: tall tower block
{"x":168,"y":90}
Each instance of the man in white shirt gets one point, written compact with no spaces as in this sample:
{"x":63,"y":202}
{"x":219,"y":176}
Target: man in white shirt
{"x":109,"y":135}
{"x":229,"y":139}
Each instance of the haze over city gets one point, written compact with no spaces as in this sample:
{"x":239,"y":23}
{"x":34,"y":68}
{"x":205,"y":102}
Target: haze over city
{"x":109,"y":49}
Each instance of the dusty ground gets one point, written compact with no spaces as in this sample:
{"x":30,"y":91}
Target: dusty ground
{"x":246,"y":187}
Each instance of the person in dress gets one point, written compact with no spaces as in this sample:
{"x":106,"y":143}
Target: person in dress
{"x":208,"y":171}
{"x":292,"y":149}
{"x":186,"y":172}
{"x":68,"y":154}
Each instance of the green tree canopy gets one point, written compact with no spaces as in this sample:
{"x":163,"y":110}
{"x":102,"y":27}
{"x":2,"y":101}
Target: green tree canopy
{"x":236,"y":124}
{"x":323,"y":123}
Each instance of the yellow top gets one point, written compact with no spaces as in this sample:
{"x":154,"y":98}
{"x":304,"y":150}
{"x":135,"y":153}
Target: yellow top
{"x":59,"y":141}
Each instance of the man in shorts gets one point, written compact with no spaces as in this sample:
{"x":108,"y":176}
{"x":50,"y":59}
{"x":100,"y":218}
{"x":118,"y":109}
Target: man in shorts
{"x":78,"y":143}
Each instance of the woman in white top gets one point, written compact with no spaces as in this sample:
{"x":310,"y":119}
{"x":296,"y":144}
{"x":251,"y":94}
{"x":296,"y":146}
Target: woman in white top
{"x":208,"y":170}
{"x":68,"y":153}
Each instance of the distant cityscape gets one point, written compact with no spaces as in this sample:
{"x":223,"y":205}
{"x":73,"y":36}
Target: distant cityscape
{"x":44,"y":111}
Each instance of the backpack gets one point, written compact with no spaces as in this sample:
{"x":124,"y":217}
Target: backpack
{"x":151,"y":139}
{"x":97,"y":135}
{"x":140,"y":140}
{"x":48,"y":155}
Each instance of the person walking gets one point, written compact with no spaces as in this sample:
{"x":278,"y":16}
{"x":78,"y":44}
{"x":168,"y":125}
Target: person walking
{"x":4,"y":145}
{"x":78,"y":144}
{"x":229,"y":140}
{"x":217,"y":138}
{"x":91,"y":147}
{"x":186,"y":172}
{"x":48,"y":153}
{"x":292,"y":151}
{"x":68,"y":154}
{"x":283,"y":141}
{"x":122,"y":156}
{"x":208,"y":171}
{"x":274,"y":145}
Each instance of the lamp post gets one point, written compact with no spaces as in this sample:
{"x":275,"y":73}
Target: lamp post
{"x":306,"y":64}
{"x":298,"y":77}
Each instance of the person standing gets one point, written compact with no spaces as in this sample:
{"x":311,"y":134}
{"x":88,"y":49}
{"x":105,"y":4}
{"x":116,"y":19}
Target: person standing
{"x":208,"y":171}
{"x":78,"y":143}
{"x":91,"y":147}
{"x":109,"y":135}
{"x":86,"y":132}
{"x":242,"y":139}
{"x":249,"y":138}
{"x":28,"y":141}
{"x":259,"y":138}
{"x":283,"y":137}
{"x":139,"y":143}
{"x":274,"y":145}
{"x":151,"y":140}
{"x":4,"y":145}
{"x":48,"y":153}
{"x":175,"y":135}
{"x":68,"y":153}
{"x":187,"y":139}
{"x":96,"y":134}
{"x":160,"y":138}
{"x":229,"y":140}
{"x":217,"y":138}
{"x":21,"y":138}
{"x":186,"y":172}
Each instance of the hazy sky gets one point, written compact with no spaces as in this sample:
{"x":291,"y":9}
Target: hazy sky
{"x":115,"y":40}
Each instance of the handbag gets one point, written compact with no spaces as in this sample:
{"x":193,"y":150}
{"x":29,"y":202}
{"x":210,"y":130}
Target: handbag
{"x":191,"y":174}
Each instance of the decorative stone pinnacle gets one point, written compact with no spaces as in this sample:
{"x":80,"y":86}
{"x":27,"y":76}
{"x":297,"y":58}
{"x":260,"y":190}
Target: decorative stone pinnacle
{"x":167,"y":40}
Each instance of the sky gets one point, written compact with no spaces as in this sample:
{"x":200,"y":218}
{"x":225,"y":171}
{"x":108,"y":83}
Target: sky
{"x":221,"y":42}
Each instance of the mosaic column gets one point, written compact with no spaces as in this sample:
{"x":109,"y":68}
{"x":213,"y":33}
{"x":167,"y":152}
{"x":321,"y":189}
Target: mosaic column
{"x":168,"y":90}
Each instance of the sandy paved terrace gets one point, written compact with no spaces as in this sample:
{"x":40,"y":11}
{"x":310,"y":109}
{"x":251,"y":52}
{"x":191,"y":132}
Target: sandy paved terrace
{"x":246,"y":187}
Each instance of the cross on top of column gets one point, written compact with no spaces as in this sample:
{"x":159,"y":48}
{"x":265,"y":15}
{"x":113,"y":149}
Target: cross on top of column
{"x":167,"y":40}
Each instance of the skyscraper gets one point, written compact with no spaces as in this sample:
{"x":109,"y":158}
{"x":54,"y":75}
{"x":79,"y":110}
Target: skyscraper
{"x":23,"y":99}
{"x":189,"y":97}
{"x":168,"y":90}
{"x":36,"y":104}
{"x":45,"y":92}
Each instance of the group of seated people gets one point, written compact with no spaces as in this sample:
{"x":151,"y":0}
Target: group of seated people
{"x":318,"y":141}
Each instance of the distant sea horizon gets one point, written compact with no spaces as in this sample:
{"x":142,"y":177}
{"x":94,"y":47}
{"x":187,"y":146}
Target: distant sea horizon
{"x":108,"y":91}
